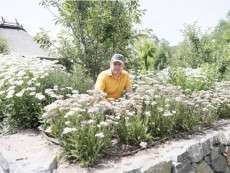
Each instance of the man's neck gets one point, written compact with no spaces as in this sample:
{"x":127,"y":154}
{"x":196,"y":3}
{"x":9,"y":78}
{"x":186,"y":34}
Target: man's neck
{"x":116,"y":75}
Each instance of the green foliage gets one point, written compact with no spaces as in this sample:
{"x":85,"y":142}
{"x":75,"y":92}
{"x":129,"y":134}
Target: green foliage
{"x":21,"y":105}
{"x":84,"y":145}
{"x":97,"y":29}
{"x":76,"y":79}
{"x":3,"y":46}
{"x":132,"y":130}
{"x":19,"y":108}
{"x":43,"y":39}
{"x":202,"y":81}
{"x":23,"y":112}
{"x":146,"y":50}
{"x":152,"y":53}
{"x":83,"y":138}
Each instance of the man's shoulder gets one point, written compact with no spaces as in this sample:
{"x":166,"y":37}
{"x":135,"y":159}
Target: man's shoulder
{"x":124,"y":72}
{"x":104,"y":73}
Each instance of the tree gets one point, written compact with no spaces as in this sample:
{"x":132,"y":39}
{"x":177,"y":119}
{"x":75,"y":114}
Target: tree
{"x":98,"y":29}
{"x":196,"y":48}
{"x":43,"y":39}
{"x":163,"y":55}
{"x":146,"y":50}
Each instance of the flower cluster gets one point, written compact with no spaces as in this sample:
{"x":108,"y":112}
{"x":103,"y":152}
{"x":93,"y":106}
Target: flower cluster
{"x":22,"y":90}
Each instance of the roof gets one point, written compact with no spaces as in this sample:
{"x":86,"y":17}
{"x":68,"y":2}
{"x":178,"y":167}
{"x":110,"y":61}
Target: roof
{"x":10,"y":25}
{"x":19,"y":40}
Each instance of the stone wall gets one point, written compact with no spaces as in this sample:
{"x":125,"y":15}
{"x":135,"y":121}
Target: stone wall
{"x":212,"y":155}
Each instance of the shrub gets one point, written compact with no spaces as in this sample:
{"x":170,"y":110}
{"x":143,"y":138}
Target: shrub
{"x":3,"y":46}
{"x":77,"y":80}
{"x":23,"y":99}
{"x":191,"y":83}
{"x":132,"y":129}
{"x":83,"y":137}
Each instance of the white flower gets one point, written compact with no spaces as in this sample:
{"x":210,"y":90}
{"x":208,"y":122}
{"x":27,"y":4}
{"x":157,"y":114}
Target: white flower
{"x":153,"y":103}
{"x":10,"y":94}
{"x":130,"y":113}
{"x":67,"y":123}
{"x":100,"y":135}
{"x":143,"y":144}
{"x":167,"y":114}
{"x":37,"y":84}
{"x":160,"y":109}
{"x":68,"y":130}
{"x":55,"y":87}
{"x":70,"y":113}
{"x":69,"y":88}
{"x":75,"y":91}
{"x":148,"y":113}
{"x":40,"y":96}
{"x":48,"y":130}
{"x":104,"y":124}
{"x":31,"y":89}
{"x":32,"y":94}
{"x":20,"y":94}
{"x":20,"y":82}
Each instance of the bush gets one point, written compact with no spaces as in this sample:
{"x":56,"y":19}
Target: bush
{"x":199,"y":82}
{"x":3,"y":46}
{"x":132,"y":129}
{"x":83,"y":137}
{"x":85,"y":131}
{"x":23,"y":98}
{"x":77,"y":80}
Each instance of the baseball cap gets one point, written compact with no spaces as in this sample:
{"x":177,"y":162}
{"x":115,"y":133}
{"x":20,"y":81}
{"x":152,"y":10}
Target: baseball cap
{"x":117,"y":58}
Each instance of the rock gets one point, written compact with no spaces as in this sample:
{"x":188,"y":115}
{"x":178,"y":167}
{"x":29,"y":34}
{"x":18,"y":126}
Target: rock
{"x":220,"y":139}
{"x":215,"y":153}
{"x":203,"y":167}
{"x":133,"y":171}
{"x":195,"y":152}
{"x":219,"y":164}
{"x":207,"y":159}
{"x":4,"y":164}
{"x":206,"y":147}
{"x":185,"y":167}
{"x":1,"y":170}
{"x":223,"y":148}
{"x":183,"y":157}
{"x":29,"y":152}
{"x":227,"y":170}
{"x":163,"y":167}
{"x":228,"y":155}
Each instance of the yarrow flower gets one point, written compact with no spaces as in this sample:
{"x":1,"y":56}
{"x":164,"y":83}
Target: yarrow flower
{"x":68,"y":130}
{"x":100,"y":135}
{"x":143,"y":144}
{"x":40,"y":96}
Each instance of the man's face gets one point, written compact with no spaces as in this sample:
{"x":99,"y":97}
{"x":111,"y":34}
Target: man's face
{"x":116,"y":67}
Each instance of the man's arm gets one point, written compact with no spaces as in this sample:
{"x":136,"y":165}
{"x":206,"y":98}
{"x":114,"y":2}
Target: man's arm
{"x":128,"y":85}
{"x":100,"y":83}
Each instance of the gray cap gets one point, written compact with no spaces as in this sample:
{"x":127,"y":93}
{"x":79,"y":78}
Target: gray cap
{"x":117,"y":58}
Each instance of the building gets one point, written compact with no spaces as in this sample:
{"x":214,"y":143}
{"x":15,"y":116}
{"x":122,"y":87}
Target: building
{"x":19,"y":41}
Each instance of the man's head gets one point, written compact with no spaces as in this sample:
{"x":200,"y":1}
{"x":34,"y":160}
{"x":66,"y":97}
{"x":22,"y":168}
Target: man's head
{"x":117,"y":63}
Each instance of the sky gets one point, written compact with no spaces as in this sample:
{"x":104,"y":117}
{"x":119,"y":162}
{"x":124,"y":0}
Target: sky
{"x":165,"y":17}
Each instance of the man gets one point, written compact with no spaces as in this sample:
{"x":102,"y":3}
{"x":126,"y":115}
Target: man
{"x":114,"y":81}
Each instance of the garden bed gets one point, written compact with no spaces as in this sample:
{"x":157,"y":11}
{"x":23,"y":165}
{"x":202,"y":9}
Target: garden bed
{"x":200,"y":152}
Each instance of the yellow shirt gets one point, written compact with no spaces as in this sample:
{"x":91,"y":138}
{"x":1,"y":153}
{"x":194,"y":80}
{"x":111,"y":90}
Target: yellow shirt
{"x":114,"y":88}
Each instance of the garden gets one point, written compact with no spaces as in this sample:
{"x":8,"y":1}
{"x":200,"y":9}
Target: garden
{"x":176,"y":90}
